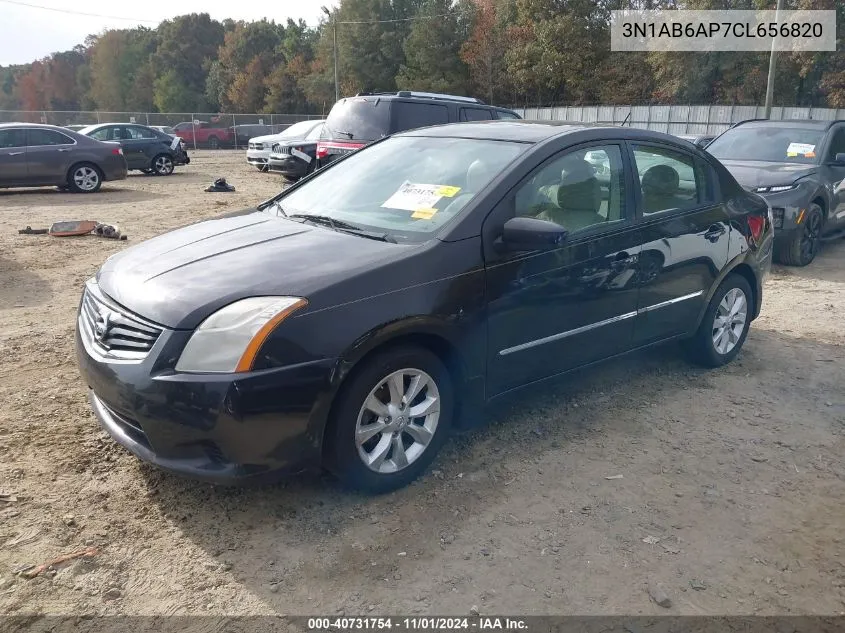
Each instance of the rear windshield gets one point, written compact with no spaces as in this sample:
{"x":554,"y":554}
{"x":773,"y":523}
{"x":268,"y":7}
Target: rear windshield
{"x":362,"y":119}
{"x":768,"y":143}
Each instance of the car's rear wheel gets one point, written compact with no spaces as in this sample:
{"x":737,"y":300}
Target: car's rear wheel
{"x":806,"y":241}
{"x":84,"y":178}
{"x":390,"y":419}
{"x":725,"y":324}
{"x":162,"y":165}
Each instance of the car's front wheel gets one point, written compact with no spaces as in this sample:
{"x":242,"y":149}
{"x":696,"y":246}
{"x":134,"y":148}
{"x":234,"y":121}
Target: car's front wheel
{"x":806,"y":241}
{"x":725,"y":324}
{"x":390,"y":420}
{"x":162,"y":165}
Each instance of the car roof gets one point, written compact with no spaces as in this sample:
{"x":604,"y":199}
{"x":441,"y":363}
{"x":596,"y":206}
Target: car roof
{"x":41,"y":125}
{"x":526,"y":131}
{"x":791,"y":123}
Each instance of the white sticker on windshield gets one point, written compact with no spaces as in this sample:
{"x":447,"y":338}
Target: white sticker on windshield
{"x":412,"y":196}
{"x":801,"y":149}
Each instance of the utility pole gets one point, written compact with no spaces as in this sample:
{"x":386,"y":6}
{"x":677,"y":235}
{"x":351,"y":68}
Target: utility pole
{"x":334,"y":48}
{"x":773,"y":56}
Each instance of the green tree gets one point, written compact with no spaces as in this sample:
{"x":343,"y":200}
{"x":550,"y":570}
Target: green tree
{"x":432,"y":61}
{"x":169,"y":95}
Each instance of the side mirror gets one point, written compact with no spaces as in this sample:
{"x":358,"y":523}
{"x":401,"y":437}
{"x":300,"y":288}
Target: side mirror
{"x":839,"y":159}
{"x":531,"y":234}
{"x":702,"y":142}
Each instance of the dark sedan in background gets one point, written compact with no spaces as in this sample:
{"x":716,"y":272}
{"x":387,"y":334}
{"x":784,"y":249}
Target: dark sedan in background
{"x":360,"y":315}
{"x":146,"y":149}
{"x":798,"y":166}
{"x":295,"y":158}
{"x":33,"y":155}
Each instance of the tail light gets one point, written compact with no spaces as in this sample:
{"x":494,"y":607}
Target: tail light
{"x":322,"y":150}
{"x":756,"y":224}
{"x":117,"y":151}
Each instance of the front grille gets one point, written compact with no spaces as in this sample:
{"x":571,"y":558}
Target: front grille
{"x":281,"y":149}
{"x":114,"y":332}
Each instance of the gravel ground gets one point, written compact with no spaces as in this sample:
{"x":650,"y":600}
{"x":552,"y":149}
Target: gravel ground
{"x":725,"y":487}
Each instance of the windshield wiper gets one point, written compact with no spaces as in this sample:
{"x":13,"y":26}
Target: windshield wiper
{"x":349,"y":134}
{"x":340,"y":225}
{"x":275,"y":204}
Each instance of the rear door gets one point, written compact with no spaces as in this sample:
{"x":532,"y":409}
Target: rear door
{"x":13,"y":170}
{"x":139,"y":146}
{"x":835,"y":175}
{"x":685,"y":232}
{"x":49,"y":155}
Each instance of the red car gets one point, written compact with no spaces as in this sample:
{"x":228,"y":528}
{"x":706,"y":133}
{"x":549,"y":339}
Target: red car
{"x":204,"y":134}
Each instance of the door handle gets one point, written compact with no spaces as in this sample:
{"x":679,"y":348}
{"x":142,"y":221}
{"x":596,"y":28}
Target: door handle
{"x":714,"y":232}
{"x":63,"y":150}
{"x":14,"y":153}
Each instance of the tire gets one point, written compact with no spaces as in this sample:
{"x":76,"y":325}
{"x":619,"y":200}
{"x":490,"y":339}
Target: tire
{"x":712,"y":345}
{"x":369,"y":385}
{"x":162,"y":165}
{"x":806,"y":243}
{"x":213,"y":142}
{"x":84,"y":178}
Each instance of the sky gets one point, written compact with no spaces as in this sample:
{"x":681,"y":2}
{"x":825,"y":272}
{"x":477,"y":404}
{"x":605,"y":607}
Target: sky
{"x":28,"y":33}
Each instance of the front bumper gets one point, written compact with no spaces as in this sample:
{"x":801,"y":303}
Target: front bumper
{"x":288,"y":165}
{"x":222,"y":428}
{"x":257,"y":156}
{"x":788,"y":210}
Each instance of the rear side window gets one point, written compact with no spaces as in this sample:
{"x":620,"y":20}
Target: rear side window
{"x":668,"y":179}
{"x":103,"y":134}
{"x":504,"y":114}
{"x":140,"y":132}
{"x":361,"y":119}
{"x":409,"y":116}
{"x":12,"y":138}
{"x":475,"y":114}
{"x":39,"y":137}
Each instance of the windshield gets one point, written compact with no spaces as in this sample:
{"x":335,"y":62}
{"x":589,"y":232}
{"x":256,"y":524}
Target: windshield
{"x":405,"y":186}
{"x":298,"y":130}
{"x":315,"y":134}
{"x":361,"y":119}
{"x":767,"y":143}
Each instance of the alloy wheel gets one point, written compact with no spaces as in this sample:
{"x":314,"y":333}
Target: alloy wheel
{"x":811,"y":237}
{"x":86,"y":178}
{"x":729,"y":322}
{"x":163,"y":165}
{"x":397,"y":421}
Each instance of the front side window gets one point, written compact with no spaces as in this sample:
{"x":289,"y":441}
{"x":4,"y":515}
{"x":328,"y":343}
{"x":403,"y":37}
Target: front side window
{"x":580,"y":189}
{"x":406,"y":186}
{"x":837,"y":143}
{"x":39,"y":137}
{"x":12,"y":138}
{"x":668,"y":179}
{"x":316,"y":133}
{"x":768,"y":143}
{"x":297,"y":130}
{"x":103,"y":134}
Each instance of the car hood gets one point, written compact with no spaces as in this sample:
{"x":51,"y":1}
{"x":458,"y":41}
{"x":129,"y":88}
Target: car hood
{"x":267,"y":138}
{"x":753,"y":174}
{"x":179,"y":278}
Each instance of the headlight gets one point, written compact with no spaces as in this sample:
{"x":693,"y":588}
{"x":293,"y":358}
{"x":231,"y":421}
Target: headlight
{"x":229,"y":340}
{"x":775,"y":189}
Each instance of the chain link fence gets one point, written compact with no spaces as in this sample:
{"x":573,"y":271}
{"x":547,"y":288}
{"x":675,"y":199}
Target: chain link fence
{"x":200,"y":129}
{"x":676,"y":119}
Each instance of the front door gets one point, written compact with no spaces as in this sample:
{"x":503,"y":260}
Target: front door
{"x":13,"y":156}
{"x":49,"y":155}
{"x":834,"y":173}
{"x":684,"y":231}
{"x":551,"y":311}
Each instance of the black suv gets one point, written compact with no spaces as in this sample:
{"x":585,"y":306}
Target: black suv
{"x":798,"y":166}
{"x":356,"y":121}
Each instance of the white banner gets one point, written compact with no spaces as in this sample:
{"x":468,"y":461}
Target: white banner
{"x":729,"y":30}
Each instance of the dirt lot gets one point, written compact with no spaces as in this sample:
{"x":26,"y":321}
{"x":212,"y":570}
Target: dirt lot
{"x":737,"y":474}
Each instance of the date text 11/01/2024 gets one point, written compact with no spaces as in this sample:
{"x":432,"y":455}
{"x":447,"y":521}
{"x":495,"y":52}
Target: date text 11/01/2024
{"x":479,"y":623}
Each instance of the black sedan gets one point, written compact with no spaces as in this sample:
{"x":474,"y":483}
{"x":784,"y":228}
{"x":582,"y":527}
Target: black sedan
{"x":362,"y":314}
{"x":146,"y":149}
{"x":295,"y":158}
